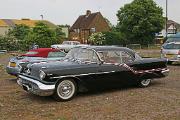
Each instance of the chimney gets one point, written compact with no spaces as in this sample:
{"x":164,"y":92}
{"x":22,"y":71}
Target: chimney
{"x":88,"y":12}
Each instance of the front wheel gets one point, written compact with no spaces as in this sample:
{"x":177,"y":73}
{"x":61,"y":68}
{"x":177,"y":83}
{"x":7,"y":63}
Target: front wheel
{"x":65,"y":90}
{"x":144,"y":83}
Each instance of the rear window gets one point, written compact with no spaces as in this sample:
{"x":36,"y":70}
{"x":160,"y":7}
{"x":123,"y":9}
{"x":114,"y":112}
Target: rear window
{"x":172,"y":46}
{"x":173,"y":40}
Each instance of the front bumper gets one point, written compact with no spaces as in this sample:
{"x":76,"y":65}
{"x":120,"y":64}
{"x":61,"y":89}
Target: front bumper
{"x":12,"y":70}
{"x":35,"y":87}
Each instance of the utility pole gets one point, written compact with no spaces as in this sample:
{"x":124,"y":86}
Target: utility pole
{"x":42,"y":17}
{"x":166,"y":18}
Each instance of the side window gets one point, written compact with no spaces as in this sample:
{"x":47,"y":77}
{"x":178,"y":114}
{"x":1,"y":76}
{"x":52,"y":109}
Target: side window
{"x":126,"y":57}
{"x":88,"y":55}
{"x":110,"y":56}
{"x":56,"y":54}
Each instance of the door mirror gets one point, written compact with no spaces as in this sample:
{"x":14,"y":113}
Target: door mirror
{"x":101,"y":62}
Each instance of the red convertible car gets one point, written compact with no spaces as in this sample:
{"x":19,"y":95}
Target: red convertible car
{"x":36,"y":55}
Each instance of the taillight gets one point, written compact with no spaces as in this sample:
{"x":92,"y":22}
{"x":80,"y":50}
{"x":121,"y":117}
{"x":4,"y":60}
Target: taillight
{"x":179,"y":52}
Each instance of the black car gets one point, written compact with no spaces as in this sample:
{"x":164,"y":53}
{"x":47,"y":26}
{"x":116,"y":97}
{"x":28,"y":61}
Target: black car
{"x":91,"y":67}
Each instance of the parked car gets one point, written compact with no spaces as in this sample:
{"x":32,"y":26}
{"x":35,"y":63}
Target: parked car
{"x":173,"y":38}
{"x":3,"y":51}
{"x":67,"y":45}
{"x":171,"y":51}
{"x":17,"y":64}
{"x":85,"y":68}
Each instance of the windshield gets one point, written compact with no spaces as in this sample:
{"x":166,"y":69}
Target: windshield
{"x":70,"y":43}
{"x":82,"y":55}
{"x":31,"y":53}
{"x":56,"y":54}
{"x":66,"y":43}
{"x":173,"y":40}
{"x":172,"y":46}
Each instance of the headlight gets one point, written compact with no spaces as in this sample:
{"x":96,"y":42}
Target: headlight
{"x":42,"y":75}
{"x":28,"y":71}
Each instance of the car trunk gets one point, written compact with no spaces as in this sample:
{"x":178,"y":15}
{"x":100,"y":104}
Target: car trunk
{"x":148,"y":64}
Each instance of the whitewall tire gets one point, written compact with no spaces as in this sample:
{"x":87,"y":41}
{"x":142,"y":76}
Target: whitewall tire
{"x":65,"y":90}
{"x":145,"y":82}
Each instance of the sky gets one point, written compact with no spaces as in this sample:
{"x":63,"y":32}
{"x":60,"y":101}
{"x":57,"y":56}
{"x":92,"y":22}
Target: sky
{"x":67,"y":11}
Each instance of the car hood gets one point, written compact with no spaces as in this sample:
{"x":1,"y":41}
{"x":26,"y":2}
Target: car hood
{"x":54,"y":64}
{"x":58,"y":68}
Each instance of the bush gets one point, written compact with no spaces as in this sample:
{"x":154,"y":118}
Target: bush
{"x":114,"y":38}
{"x":21,"y":37}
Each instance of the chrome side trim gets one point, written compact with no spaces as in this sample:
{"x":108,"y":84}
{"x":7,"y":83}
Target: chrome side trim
{"x":123,"y":65}
{"x":83,"y":74}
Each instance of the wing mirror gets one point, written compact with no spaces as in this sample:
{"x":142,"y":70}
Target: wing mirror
{"x":101,"y":62}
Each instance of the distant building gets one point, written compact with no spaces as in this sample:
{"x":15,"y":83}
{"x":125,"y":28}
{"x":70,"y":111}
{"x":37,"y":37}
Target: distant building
{"x":65,"y":29}
{"x":87,"y":24}
{"x":172,"y":28}
{"x":6,"y":24}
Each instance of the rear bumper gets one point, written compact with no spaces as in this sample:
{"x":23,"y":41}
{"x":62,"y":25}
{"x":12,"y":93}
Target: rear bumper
{"x":174,"y":60}
{"x":165,"y":72}
{"x":35,"y":87}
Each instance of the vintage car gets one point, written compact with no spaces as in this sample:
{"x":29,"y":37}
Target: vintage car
{"x":171,"y":51}
{"x":86,"y":68}
{"x":16,"y":64}
{"x":67,"y":45}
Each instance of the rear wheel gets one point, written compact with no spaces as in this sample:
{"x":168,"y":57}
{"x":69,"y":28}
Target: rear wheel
{"x":144,"y":83}
{"x":65,"y":90}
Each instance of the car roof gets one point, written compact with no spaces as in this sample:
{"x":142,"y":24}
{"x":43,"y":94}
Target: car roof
{"x":71,"y":41}
{"x":105,"y":48}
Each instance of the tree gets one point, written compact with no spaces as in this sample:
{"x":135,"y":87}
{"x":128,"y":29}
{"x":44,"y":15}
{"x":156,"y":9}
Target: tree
{"x":59,"y":34}
{"x":140,"y":20}
{"x":42,"y":35}
{"x":19,"y":31}
{"x":21,"y":37}
{"x":114,"y":38}
{"x":97,"y":38}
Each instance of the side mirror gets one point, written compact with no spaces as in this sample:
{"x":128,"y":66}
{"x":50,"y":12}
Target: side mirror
{"x":101,"y":62}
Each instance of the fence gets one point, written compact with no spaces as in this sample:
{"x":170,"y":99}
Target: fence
{"x":148,"y":46}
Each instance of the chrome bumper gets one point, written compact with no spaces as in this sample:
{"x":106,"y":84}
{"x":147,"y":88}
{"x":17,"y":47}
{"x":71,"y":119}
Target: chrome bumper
{"x":165,"y":72}
{"x":12,"y":70}
{"x":35,"y":87}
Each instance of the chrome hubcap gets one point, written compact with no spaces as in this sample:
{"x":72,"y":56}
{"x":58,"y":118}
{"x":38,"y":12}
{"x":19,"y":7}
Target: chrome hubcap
{"x":146,"y":82}
{"x":66,"y":89}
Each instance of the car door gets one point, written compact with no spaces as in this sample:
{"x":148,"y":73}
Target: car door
{"x":114,"y":69}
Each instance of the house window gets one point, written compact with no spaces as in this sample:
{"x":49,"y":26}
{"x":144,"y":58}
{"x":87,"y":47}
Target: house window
{"x":76,"y":30}
{"x":93,"y":30}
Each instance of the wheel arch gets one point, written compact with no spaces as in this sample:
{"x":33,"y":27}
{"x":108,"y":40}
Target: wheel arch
{"x":76,"y":80}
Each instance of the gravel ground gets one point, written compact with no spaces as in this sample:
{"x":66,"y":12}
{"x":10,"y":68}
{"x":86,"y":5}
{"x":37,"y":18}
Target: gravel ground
{"x":160,"y":101}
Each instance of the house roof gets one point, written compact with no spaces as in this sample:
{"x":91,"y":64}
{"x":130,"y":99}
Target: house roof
{"x":84,"y":21}
{"x":2,"y":23}
{"x":171,"y":22}
{"x":28,"y":22}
